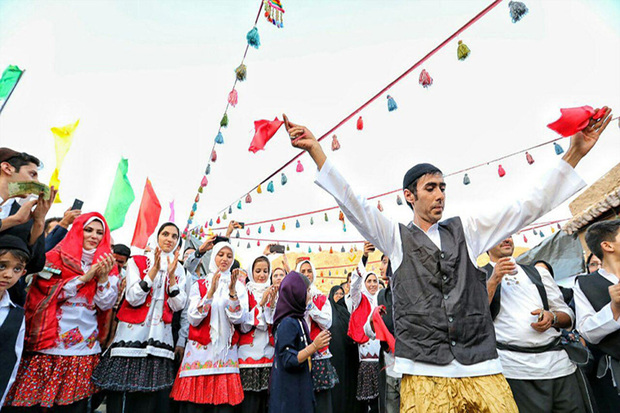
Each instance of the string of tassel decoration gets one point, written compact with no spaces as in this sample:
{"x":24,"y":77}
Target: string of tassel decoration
{"x":219,"y":139}
{"x":224,"y":121}
{"x":274,"y":12}
{"x":253,"y":38}
{"x":392,"y":106}
{"x":241,"y":72}
{"x":233,"y":98}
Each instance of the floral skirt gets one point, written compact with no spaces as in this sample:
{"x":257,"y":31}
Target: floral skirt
{"x":210,"y":389}
{"x":255,"y":379}
{"x":144,"y":374}
{"x":368,"y":380}
{"x":48,"y":380}
{"x":324,"y":376}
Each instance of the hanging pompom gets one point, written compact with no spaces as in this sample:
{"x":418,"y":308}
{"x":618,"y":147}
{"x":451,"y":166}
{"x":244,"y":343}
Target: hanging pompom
{"x":297,"y":245}
{"x":331,"y":250}
{"x":259,"y":190}
{"x":270,"y":187}
{"x":524,"y":238}
{"x":260,"y":230}
{"x":558,"y":149}
{"x":297,"y":225}
{"x":218,"y":220}
{"x":541,"y":234}
{"x":241,"y":72}
{"x":210,"y":222}
{"x":253,"y":38}
{"x":558,"y":225}
{"x":248,"y":199}
{"x":288,"y":247}
{"x":379,"y":206}
{"x":194,"y":207}
{"x":230,"y":209}
{"x":224,"y":121}
{"x":360,"y":123}
{"x":204,"y":182}
{"x":311,"y":221}
{"x":197,"y":199}
{"x":326,"y":219}
{"x":517,"y":10}
{"x":463,"y":51}
{"x":200,"y":190}
{"x":248,"y":245}
{"x":233,"y":98}
{"x":272,"y":229}
{"x":239,"y":205}
{"x":309,"y":250}
{"x":335,"y":143}
{"x":274,"y":12}
{"x":552,"y":230}
{"x":425,"y":79}
{"x":283,"y":179}
{"x":283,"y":226}
{"x":320,"y":249}
{"x":535,"y":232}
{"x":341,"y":216}
{"x":342,"y":250}
{"x":500,"y":171}
{"x":392,"y":106}
{"x":224,"y":217}
{"x":247,"y":231}
{"x":219,"y":139}
{"x":213,"y":156}
{"x":258,"y":243}
{"x":237,"y":234}
{"x":466,"y":180}
{"x":529,"y":158}
{"x":300,"y":167}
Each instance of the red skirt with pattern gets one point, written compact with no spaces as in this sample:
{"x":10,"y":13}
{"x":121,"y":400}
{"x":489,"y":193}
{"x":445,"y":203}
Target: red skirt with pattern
{"x":210,"y":389}
{"x":48,"y":380}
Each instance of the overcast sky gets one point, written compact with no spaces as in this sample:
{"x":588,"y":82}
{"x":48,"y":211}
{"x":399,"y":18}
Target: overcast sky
{"x":149,"y":81}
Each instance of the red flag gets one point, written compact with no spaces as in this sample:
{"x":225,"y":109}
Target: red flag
{"x":381,"y":331}
{"x":148,"y":216}
{"x":573,"y":120}
{"x":264,"y":131}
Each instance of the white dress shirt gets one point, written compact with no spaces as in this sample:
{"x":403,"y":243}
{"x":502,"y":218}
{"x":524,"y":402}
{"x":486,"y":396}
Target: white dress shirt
{"x":482,"y":232}
{"x":519,"y":297}
{"x":595,"y":326}
{"x":5,"y":306}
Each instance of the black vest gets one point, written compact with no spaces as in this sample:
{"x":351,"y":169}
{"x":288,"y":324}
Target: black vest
{"x":8,"y":338}
{"x":534,"y":276}
{"x":596,"y":289}
{"x":441,"y":309}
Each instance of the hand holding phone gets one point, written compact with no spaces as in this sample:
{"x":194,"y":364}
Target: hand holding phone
{"x":77,"y":204}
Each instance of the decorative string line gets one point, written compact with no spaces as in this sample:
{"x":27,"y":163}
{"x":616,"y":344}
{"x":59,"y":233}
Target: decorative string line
{"x":378,"y":94}
{"x":245,"y":53}
{"x":398,"y":189}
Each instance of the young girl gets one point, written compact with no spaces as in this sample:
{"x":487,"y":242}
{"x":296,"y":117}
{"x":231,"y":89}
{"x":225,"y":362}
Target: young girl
{"x":319,"y":318}
{"x":256,"y":341}
{"x":209,"y":379}
{"x":291,"y":381}
{"x":137,"y":369}
{"x":364,"y":288}
{"x":67,"y":312}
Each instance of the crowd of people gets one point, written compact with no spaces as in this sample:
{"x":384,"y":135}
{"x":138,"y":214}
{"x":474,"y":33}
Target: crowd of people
{"x":179,"y":329}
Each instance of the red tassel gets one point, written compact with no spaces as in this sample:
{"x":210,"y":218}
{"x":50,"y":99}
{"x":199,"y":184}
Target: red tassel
{"x":213,"y":156}
{"x":248,"y":199}
{"x":501,"y":171}
{"x":379,"y":206}
{"x":272,"y":229}
{"x":218,"y":220}
{"x":247,"y":231}
{"x":197,"y":199}
{"x":258,"y":243}
{"x":529,"y":158}
{"x":425,"y":79}
{"x":300,"y":167}
{"x":341,"y":216}
{"x":204,"y":181}
{"x":335,"y":143}
{"x":360,"y":123}
{"x":331,"y":250}
{"x":233,"y":98}
{"x":320,"y":249}
{"x":524,"y":238}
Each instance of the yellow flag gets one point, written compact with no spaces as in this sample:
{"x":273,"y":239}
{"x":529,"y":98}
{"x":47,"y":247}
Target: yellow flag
{"x":63,"y":137}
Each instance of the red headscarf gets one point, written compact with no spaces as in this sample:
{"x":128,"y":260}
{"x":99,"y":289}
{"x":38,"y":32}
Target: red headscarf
{"x":42,"y":302}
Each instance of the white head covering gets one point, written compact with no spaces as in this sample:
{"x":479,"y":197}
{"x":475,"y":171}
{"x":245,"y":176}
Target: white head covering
{"x":258,"y":289}
{"x":89,"y":255}
{"x":371,"y":297}
{"x":313,"y":288}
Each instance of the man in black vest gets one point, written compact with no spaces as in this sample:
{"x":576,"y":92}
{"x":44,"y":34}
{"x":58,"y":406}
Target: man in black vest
{"x":597,"y":305}
{"x":528,"y":308}
{"x":445,"y":341}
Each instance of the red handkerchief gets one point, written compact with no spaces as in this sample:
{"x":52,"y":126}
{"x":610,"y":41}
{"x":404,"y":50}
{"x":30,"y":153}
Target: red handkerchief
{"x":264,"y":130}
{"x":572,"y":120}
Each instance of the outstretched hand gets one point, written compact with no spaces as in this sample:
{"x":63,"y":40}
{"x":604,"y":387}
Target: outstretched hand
{"x":302,"y":138}
{"x":582,"y":142}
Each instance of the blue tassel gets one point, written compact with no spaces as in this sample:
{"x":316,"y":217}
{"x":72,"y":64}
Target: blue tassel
{"x":541,"y":234}
{"x":219,"y":138}
{"x":311,"y":221}
{"x":309,"y":250}
{"x":239,"y":205}
{"x":284,"y":179}
{"x":297,"y":246}
{"x":517,"y":10}
{"x":237,"y":234}
{"x":211,"y":222}
{"x":208,"y":170}
{"x":558,"y":149}
{"x":230,"y":209}
{"x":270,"y":186}
{"x":248,"y":245}
{"x":342,"y":249}
{"x":466,"y":180}
{"x":194,"y":207}
{"x":297,"y":224}
{"x":253,"y":38}
{"x":392,"y":106}
{"x":259,"y":230}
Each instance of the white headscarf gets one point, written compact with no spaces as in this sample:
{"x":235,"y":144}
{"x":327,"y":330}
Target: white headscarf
{"x":89,"y":255}
{"x":313,"y":288}
{"x":371,"y":297}
{"x":258,"y":289}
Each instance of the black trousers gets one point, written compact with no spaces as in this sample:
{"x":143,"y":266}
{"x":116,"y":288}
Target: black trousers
{"x":187,"y":407}
{"x":138,"y":402}
{"x":254,"y":402}
{"x":323,"y":401}
{"x":561,"y":395}
{"x":77,"y":407}
{"x":605,"y":394}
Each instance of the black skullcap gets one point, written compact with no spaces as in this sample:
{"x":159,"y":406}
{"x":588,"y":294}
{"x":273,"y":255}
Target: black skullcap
{"x":122,"y":249}
{"x":417,"y":171}
{"x":12,"y":242}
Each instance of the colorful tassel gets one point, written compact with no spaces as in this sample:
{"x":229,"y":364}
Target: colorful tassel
{"x":326,"y":219}
{"x":466,"y":180}
{"x":260,"y":230}
{"x":233,"y":98}
{"x":463,"y":51}
{"x":259,"y":190}
{"x":379,"y":206}
{"x":258,"y":243}
{"x":320,"y":249}
{"x":425,"y":79}
{"x":331,"y":251}
{"x":552,"y":230}
{"x":392,"y":106}
{"x":272,"y":229}
{"x":274,"y":12}
{"x":218,"y":220}
{"x":342,"y":250}
{"x":283,"y":179}
{"x":204,"y":181}
{"x":248,"y":245}
{"x":194,"y":207}
{"x":224,"y":216}
{"x":360,"y":123}
{"x":541,"y":234}
{"x":309,"y":250}
{"x":211,"y":222}
{"x":341,"y":216}
{"x":200,"y":190}
{"x":219,"y":139}
{"x":529,"y":158}
{"x":247,"y":231}
{"x":399,"y":200}
{"x":283,"y":226}
{"x":344,"y":227}
{"x":213,"y":156}
{"x":288,"y":247}
{"x":558,"y":225}
{"x":230,"y":209}
{"x":335,"y":143}
{"x":270,"y":187}
{"x":501,"y":171}
{"x":208,"y":170}
{"x":558,"y":149}
{"x":224,"y":121}
{"x":237,"y":234}
{"x":239,"y":205}
{"x":311,"y":221}
{"x":197,"y":199}
{"x":535,"y":232}
{"x":524,"y":238}
{"x":297,"y":245}
{"x":517,"y":10}
{"x":241,"y":72}
{"x":297,"y":225}
{"x":253,"y":38}
{"x":248,"y":199}
{"x":300,"y":167}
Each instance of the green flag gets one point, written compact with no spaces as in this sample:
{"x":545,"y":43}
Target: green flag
{"x":121,"y":197}
{"x":9,"y":79}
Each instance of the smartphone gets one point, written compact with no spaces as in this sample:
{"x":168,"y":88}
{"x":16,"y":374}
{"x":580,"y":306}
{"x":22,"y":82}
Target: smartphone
{"x":241,"y":224}
{"x":77,"y":204}
{"x":372,"y":248}
{"x":219,"y":238}
{"x":541,"y":316}
{"x":277,"y":249}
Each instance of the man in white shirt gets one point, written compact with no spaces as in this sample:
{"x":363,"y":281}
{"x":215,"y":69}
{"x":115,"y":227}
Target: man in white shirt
{"x":527,"y":310}
{"x":597,"y":305}
{"x":445,"y":342}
